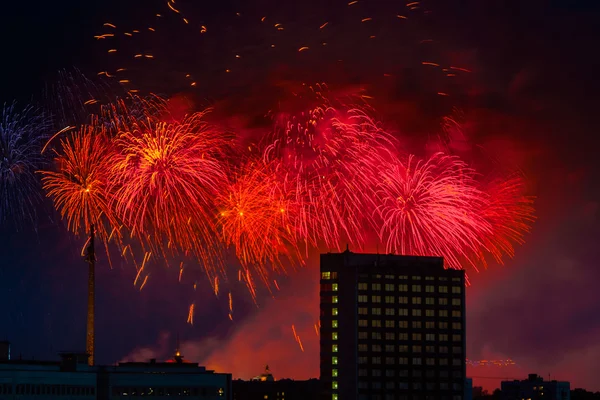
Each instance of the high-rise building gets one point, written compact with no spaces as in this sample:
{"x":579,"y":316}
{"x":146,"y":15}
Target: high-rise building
{"x":392,"y":327}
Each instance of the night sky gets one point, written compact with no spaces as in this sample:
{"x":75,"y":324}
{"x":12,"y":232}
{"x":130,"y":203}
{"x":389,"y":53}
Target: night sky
{"x":532,"y":101}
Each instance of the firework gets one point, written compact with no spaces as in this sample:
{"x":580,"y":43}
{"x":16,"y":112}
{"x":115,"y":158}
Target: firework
{"x":433,"y":207}
{"x":80,"y":187}
{"x":165,"y":176}
{"x":22,"y":135}
{"x":329,"y":158}
{"x":510,"y":213}
{"x":255,"y":218}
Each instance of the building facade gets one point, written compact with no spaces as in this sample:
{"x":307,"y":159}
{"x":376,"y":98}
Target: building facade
{"x":392,"y":327}
{"x":534,"y":387}
{"x":284,"y":389}
{"x":72,"y":378}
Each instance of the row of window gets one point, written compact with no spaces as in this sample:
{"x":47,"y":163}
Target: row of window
{"x":363,"y":298}
{"x":416,"y":373}
{"x":420,"y":324}
{"x":168,"y":391}
{"x":430,"y":361}
{"x":391,"y":385}
{"x":390,"y":323}
{"x":403,"y":287}
{"x":404,"y":348}
{"x":52,"y":390}
{"x":404,"y":336}
{"x":416,"y":312}
{"x":327,"y":275}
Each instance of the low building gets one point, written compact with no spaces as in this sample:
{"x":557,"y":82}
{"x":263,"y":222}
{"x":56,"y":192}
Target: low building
{"x":71,"y":377}
{"x":265,"y":387}
{"x":534,"y":387}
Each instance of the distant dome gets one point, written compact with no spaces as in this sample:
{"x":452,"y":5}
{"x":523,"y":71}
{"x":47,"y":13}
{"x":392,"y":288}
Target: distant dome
{"x":264,"y":377}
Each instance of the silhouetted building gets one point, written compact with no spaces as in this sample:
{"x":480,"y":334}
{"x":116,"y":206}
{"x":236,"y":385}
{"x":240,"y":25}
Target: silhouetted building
{"x":534,"y":387}
{"x":392,"y":327}
{"x":265,"y":387}
{"x":468,"y":389}
{"x":73,"y":377}
{"x":4,"y":351}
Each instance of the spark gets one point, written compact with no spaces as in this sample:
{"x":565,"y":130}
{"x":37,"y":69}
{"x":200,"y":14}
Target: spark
{"x":430,"y":63}
{"x":324,"y":25}
{"x":303,"y":48}
{"x":366,"y":19}
{"x":190,"y":318}
{"x":109,"y":25}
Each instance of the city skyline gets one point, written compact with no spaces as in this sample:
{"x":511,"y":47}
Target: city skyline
{"x":526,"y":105}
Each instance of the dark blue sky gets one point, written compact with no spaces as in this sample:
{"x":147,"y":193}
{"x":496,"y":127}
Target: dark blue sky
{"x":537,"y":100}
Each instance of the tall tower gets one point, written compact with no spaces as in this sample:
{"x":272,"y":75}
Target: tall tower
{"x":90,"y":258}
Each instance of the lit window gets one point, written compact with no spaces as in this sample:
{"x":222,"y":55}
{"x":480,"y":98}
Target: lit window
{"x":430,"y":289}
{"x":443,"y":325}
{"x":334,"y":348}
{"x":389,"y":277}
{"x":430,"y":301}
{"x":443,"y":301}
{"x":403,"y":277}
{"x":334,"y":311}
{"x":376,"y":360}
{"x":456,"y":302}
{"x":363,"y":323}
{"x":443,"y":313}
{"x":375,"y":286}
{"x":363,"y":311}
{"x":334,"y":323}
{"x":376,"y":323}
{"x":416,"y":288}
{"x":416,"y":278}
{"x":416,"y":313}
{"x":456,"y":314}
{"x":416,"y":300}
{"x":403,"y":324}
{"x":403,"y":348}
{"x":334,"y":287}
{"x":443,"y":289}
{"x":334,"y":396}
{"x":416,"y":360}
{"x":389,"y":324}
{"x":376,"y":311}
{"x":402,"y":360}
{"x":334,"y":360}
{"x":430,"y":337}
{"x":429,"y":313}
{"x":363,"y":347}
{"x":376,"y":299}
{"x":456,"y":325}
{"x":416,"y":324}
{"x":430,"y":325}
{"x":403,"y":300}
{"x":363,"y":335}
{"x":429,"y":278}
{"x":376,"y":335}
{"x":403,"y":312}
{"x":430,"y":349}
{"x":455,"y":279}
{"x":416,"y":336}
{"x":334,"y":299}
{"x":334,"y":385}
{"x":334,"y":336}
{"x":416,"y":349}
{"x":390,"y":311}
{"x":403,"y":288}
{"x":389,"y":287}
{"x":389,"y":299}
{"x":363,"y":286}
{"x":390,"y":336}
{"x":456,"y":338}
{"x":325,"y":275}
{"x":403,"y":335}
{"x":362,"y":298}
{"x":443,"y":337}
{"x":334,"y":373}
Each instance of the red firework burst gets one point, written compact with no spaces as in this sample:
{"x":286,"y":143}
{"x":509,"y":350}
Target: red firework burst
{"x":80,"y":187}
{"x":255,"y":218}
{"x":165,"y":177}
{"x":329,"y":158}
{"x":433,"y":207}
